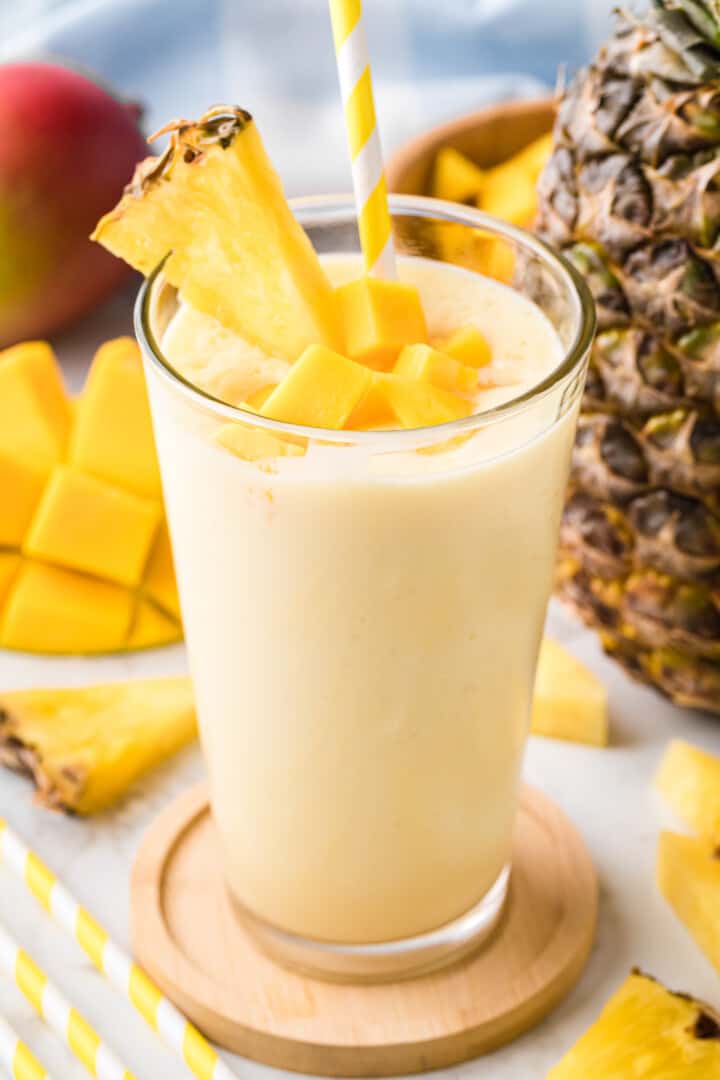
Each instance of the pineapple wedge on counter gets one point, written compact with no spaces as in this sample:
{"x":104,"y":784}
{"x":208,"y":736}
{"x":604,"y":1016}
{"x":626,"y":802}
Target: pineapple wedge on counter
{"x":689,"y":781}
{"x":646,"y":1032}
{"x":85,"y":747}
{"x":688,"y":873}
{"x":570,"y":702}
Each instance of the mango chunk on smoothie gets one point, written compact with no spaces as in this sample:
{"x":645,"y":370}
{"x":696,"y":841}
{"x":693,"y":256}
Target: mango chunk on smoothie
{"x":59,"y":611}
{"x":256,"y":444}
{"x":35,"y":410}
{"x":86,"y":524}
{"x":419,"y":404}
{"x":152,"y":627}
{"x":113,"y":436}
{"x":21,"y":485}
{"x":429,"y":365}
{"x":374,"y":409}
{"x":9,"y":566}
{"x":159,"y":581}
{"x":378,"y":318}
{"x":321,"y":390}
{"x":468,"y":346}
{"x":457,"y":178}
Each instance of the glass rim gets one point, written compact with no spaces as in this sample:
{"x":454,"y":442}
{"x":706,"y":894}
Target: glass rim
{"x":337,"y":209}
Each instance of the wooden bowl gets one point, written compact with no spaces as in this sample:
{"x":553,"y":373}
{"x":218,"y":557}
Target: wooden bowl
{"x":488,"y":136}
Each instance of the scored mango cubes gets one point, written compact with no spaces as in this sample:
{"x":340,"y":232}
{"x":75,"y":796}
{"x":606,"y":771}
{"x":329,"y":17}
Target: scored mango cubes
{"x":35,"y":410}
{"x":113,"y":436}
{"x":378,"y":318}
{"x":76,"y":510}
{"x":21,"y":485}
{"x":427,"y":364}
{"x":58,"y":611}
{"x":321,"y":390}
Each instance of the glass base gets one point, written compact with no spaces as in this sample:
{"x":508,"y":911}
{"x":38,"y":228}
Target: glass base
{"x":385,"y":961}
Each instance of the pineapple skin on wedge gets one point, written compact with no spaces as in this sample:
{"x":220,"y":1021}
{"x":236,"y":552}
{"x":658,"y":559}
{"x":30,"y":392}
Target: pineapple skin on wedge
{"x":215,"y":206}
{"x":570,"y":702}
{"x":85,"y":747}
{"x":689,"y":781}
{"x":646,"y":1032}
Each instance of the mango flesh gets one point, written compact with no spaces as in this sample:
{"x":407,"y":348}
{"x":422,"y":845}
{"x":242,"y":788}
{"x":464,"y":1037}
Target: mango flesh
{"x":256,"y":444}
{"x":468,"y":346}
{"x":113,"y":436}
{"x":688,"y":873}
{"x":569,"y":702}
{"x":429,"y":365}
{"x":68,"y":148}
{"x":456,"y":178}
{"x":85,"y":559}
{"x":321,"y":390}
{"x":689,"y":781}
{"x":378,"y":318}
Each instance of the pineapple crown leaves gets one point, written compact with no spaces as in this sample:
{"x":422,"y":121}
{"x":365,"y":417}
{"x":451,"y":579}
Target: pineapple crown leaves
{"x":689,"y":30}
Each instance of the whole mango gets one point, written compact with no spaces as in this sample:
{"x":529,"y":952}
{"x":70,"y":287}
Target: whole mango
{"x":67,"y":148}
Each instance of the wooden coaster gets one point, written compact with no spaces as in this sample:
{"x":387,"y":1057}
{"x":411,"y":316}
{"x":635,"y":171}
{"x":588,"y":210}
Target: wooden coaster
{"x":190,"y":940}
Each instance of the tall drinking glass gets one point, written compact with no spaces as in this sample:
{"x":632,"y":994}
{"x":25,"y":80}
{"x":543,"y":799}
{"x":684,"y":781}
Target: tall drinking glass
{"x":363,"y":615}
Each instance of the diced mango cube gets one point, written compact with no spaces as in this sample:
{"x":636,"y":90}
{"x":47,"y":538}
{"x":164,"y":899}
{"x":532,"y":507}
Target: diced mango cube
{"x":378,"y":318}
{"x":35,"y":411}
{"x":59,"y":611}
{"x":259,"y":397}
{"x":419,"y":404}
{"x":159,"y":582}
{"x":152,"y":627}
{"x":9,"y":566}
{"x":688,"y":872}
{"x":113,"y":436}
{"x":533,"y":157}
{"x":321,"y":390}
{"x":455,"y":177}
{"x":86,"y":524}
{"x":469,"y":346}
{"x":256,"y":444}
{"x":570,"y":702}
{"x":689,"y":780}
{"x":21,"y":485}
{"x":374,"y":409}
{"x":427,"y":364}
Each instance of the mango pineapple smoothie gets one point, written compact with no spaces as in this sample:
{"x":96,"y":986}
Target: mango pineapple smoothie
{"x":364,"y":541}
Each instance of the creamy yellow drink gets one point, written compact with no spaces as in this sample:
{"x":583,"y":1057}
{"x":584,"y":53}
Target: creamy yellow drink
{"x":363,"y":630}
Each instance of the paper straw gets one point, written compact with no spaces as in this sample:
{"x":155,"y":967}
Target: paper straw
{"x":121,"y":971}
{"x":368,"y":173}
{"x":59,"y":1015}
{"x":20,"y":1062}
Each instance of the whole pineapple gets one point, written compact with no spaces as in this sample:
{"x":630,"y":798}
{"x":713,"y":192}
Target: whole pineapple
{"x":631,"y":194}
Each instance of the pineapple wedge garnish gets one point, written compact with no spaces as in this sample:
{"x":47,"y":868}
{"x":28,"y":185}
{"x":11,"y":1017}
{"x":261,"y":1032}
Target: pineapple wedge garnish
{"x":688,"y":874}
{"x":689,"y":781}
{"x":570,"y":702}
{"x":646,"y":1032}
{"x":215,"y":206}
{"x":85,"y":747}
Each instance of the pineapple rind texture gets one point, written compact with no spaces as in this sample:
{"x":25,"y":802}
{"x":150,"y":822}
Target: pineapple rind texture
{"x":646,"y":1032}
{"x":85,"y":747}
{"x":214,"y":205}
{"x":630,"y":194}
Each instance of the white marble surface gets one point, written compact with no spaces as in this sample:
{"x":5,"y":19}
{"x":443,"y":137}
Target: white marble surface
{"x":607,"y":793}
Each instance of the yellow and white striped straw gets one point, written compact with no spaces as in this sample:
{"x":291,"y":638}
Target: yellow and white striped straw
{"x":59,"y":1015}
{"x":368,"y":172}
{"x":20,"y":1062}
{"x":121,"y":971}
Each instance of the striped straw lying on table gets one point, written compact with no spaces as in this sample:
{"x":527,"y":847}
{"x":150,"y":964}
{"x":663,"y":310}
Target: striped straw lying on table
{"x":121,"y":971}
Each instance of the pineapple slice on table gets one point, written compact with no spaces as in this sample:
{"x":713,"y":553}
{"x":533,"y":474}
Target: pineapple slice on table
{"x":646,"y":1032}
{"x":688,"y":874}
{"x":689,"y":781}
{"x":570,"y":702}
{"x":85,"y":747}
{"x":214,"y":205}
